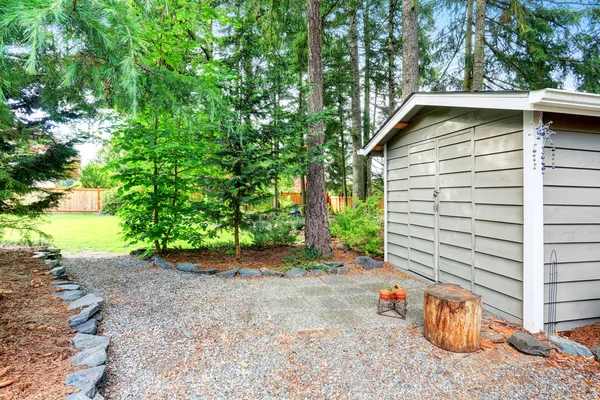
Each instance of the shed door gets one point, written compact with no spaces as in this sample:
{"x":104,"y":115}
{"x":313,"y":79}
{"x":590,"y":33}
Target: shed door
{"x":440,"y":208}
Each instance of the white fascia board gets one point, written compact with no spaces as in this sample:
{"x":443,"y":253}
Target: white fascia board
{"x":533,"y":233}
{"x":492,"y":100}
{"x":565,"y":102}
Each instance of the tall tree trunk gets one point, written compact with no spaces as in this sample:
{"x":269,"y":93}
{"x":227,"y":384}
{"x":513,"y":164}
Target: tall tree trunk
{"x":358,"y":162}
{"x":301,"y":111}
{"x":155,"y":194}
{"x":367,"y":104}
{"x":343,"y":146}
{"x":276,"y":179}
{"x":391,"y":55}
{"x":236,"y":230}
{"x":317,"y":232}
{"x":479,"y":44}
{"x":410,"y":48}
{"x":468,"y":74}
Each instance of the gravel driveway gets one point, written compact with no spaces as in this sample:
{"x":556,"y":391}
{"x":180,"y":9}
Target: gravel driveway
{"x":178,"y":335}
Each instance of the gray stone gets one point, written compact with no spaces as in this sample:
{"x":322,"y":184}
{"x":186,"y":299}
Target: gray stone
{"x":137,"y":252}
{"x":90,"y":327}
{"x":249,"y":272}
{"x":228,"y":274}
{"x":343,"y":246}
{"x":527,"y":344}
{"x":268,"y":272}
{"x":367,"y":262}
{"x":70,"y":286}
{"x":98,"y":317}
{"x":53,"y":250}
{"x":296,"y":272}
{"x":84,"y":315}
{"x":570,"y":347}
{"x":186,"y":267}
{"x":161,"y":262}
{"x":338,"y":270}
{"x":41,"y":255}
{"x":205,"y":271}
{"x":317,"y":272}
{"x":52,"y":263}
{"x":82,"y":341}
{"x":60,"y":278}
{"x":85,"y":301}
{"x":70,"y":295}
{"x":57,"y":271}
{"x":78,"y":396}
{"x":334,"y":264}
{"x":596,"y":351}
{"x":86,"y":380}
{"x":58,"y":284}
{"x":91,"y":357}
{"x":98,"y":396}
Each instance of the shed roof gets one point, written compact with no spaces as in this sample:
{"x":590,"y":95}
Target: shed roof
{"x":549,"y":100}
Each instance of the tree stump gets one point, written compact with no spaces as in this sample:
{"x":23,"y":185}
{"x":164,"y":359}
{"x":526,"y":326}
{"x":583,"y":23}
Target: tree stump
{"x":452,"y":318}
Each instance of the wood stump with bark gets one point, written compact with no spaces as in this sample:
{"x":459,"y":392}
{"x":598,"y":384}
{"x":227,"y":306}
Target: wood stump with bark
{"x":452,"y":318}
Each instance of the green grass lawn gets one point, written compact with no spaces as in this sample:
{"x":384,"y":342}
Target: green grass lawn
{"x":91,"y":232}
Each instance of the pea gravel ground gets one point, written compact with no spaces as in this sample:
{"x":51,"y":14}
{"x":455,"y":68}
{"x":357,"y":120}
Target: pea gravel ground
{"x":177,"y":335}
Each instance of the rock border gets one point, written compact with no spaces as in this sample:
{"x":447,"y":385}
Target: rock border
{"x":92,"y":346}
{"x":326,"y":268}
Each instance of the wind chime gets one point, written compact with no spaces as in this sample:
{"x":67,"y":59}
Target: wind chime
{"x":542,"y":133}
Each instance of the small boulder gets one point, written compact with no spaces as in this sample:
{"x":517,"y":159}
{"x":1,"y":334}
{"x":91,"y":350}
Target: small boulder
{"x":316,"y":272}
{"x":205,"y":271}
{"x":527,"y":344}
{"x":85,"y":301}
{"x":570,"y":347}
{"x":79,"y":396}
{"x":70,"y":295}
{"x":41,"y":255}
{"x":137,"y":252}
{"x":53,"y":250}
{"x":162,"y":263}
{"x":91,"y":357}
{"x":82,"y":341}
{"x":343,"y":247}
{"x":70,"y":286}
{"x":57,"y":271}
{"x":186,"y":267}
{"x":334,"y":264}
{"x":58,"y":284}
{"x":338,"y":270}
{"x":52,"y":263}
{"x":89,"y":327}
{"x":596,"y":351}
{"x":296,"y":272}
{"x":249,"y":272}
{"x":86,"y":380}
{"x":228,"y":274}
{"x":367,"y":262}
{"x":98,"y":317}
{"x":84,"y":315}
{"x":267,"y":272}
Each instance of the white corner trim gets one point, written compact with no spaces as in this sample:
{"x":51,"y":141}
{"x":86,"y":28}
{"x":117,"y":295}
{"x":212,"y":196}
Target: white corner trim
{"x":533,"y":233}
{"x":385,"y":203}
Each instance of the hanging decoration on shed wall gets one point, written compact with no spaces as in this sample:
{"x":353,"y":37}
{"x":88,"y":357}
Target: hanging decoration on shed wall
{"x":542,"y":133}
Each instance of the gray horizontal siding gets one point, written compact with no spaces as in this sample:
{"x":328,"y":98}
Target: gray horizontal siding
{"x":478,"y":168}
{"x":572,"y":220}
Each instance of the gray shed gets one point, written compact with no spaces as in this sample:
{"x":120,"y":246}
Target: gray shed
{"x":464,"y":203}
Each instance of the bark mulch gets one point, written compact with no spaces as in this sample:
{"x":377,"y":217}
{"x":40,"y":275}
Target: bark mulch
{"x":272,"y":258}
{"x":35,"y":341}
{"x":588,"y":335}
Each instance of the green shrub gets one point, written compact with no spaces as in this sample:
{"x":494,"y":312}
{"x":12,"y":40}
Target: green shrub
{"x":360,"y":226}
{"x":110,"y":202}
{"x":304,"y":258}
{"x":273,"y":229}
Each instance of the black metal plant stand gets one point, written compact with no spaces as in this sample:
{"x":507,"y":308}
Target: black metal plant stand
{"x":394,"y":309}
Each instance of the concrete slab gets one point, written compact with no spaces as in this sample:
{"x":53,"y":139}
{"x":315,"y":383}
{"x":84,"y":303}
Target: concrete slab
{"x":299,"y":321}
{"x":341,"y":318}
{"x":362,"y":300}
{"x":306,"y":282}
{"x":334,"y":280}
{"x":317,"y":291}
{"x":348,"y":290}
{"x":288,"y":304}
{"x":333,"y":303}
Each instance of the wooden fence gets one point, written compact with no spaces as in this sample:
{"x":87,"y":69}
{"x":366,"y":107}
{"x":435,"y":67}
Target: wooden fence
{"x":336,"y":203}
{"x":79,"y":200}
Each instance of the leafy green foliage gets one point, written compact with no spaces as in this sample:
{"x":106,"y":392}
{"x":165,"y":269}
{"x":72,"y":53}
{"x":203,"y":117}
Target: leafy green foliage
{"x":361,"y":226}
{"x":273,"y":229}
{"x":110,"y":202}
{"x":302,"y":258}
{"x":94,"y":175}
